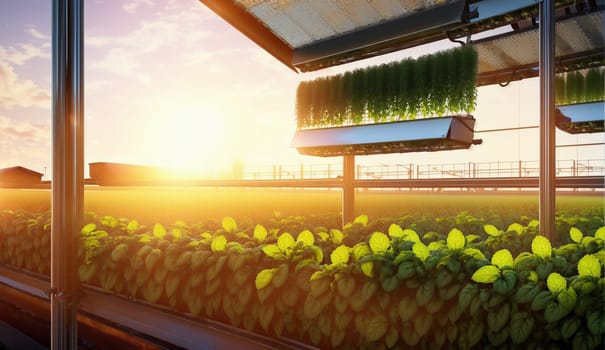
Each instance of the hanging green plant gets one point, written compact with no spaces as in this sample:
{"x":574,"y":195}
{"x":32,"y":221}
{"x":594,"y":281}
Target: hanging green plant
{"x":432,"y":85}
{"x":580,"y":86}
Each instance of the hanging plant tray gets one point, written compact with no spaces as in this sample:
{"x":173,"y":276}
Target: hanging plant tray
{"x":420,"y":135}
{"x":581,"y":118}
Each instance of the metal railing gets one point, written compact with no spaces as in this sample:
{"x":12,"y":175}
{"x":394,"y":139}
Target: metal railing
{"x":469,"y":170}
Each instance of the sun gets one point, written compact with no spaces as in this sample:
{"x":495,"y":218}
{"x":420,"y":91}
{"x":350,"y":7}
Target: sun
{"x":193,"y":140}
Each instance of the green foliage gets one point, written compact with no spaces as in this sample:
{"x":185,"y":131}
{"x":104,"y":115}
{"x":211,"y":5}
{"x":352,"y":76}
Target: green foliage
{"x":580,"y":86}
{"x":381,"y":284}
{"x":433,"y":85}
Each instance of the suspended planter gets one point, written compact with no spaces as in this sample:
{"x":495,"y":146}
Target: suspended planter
{"x":421,"y":135}
{"x":579,"y":99}
{"x":406,"y":106}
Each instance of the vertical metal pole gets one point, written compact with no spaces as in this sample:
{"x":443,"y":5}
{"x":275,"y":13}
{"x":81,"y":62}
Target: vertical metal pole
{"x":547,"y":118}
{"x":348,"y":191}
{"x":68,"y":168}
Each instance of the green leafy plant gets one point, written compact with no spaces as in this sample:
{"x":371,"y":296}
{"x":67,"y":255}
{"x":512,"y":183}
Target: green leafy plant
{"x":430,"y":86}
{"x":580,"y":86}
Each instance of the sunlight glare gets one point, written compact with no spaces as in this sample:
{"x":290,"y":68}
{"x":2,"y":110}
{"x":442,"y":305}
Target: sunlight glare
{"x":193,"y":140}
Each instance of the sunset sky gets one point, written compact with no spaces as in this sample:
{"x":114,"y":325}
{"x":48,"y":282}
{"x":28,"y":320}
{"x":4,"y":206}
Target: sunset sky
{"x":169,"y":83}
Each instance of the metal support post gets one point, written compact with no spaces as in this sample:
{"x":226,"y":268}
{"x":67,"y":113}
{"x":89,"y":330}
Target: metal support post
{"x":68,"y":168}
{"x":348,"y":191}
{"x":547,"y":118}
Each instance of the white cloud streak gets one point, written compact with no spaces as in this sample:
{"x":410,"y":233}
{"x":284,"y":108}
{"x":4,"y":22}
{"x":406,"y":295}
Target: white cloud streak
{"x":22,"y":53}
{"x":20,"y":92}
{"x":171,"y":31}
{"x":132,"y":6}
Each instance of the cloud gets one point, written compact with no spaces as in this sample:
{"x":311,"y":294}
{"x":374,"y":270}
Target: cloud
{"x":132,"y":6}
{"x":36,"y":34}
{"x":23,"y":52}
{"x":170,"y":32}
{"x":21,"y":93}
{"x":23,"y":131}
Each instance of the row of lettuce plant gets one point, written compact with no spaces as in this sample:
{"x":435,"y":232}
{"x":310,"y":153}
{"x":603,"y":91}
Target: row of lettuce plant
{"x":429,"y":86}
{"x":392,"y":288}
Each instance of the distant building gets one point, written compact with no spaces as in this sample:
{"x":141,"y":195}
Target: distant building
{"x":19,"y":177}
{"x":116,"y":174}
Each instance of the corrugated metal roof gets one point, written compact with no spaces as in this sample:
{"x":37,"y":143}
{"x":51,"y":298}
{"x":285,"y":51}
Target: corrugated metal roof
{"x":308,"y":35}
{"x":303,"y":22}
{"x":579,"y":34}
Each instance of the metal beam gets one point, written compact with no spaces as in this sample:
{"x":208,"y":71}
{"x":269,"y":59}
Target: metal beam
{"x":361,"y":43}
{"x":547,"y":119}
{"x":348,"y":189}
{"x":526,"y":182}
{"x":252,"y":28}
{"x":68,"y":168}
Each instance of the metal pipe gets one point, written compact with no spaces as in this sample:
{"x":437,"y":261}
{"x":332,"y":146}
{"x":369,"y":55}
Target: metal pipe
{"x":68,"y":168}
{"x":348,"y":190}
{"x":547,"y":118}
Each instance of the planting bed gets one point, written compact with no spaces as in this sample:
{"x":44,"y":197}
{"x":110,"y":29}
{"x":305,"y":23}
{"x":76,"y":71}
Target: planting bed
{"x":406,"y":282}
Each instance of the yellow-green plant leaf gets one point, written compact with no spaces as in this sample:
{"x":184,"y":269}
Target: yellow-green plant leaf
{"x":395,"y":231}
{"x":318,"y":254}
{"x":502,"y":258}
{"x":486,"y":274}
{"x":264,"y":278}
{"x":306,"y":237}
{"x":317,"y":275}
{"x":515,"y":227}
{"x":492,"y":230}
{"x":361,"y":219}
{"x":206,"y":235}
{"x":379,"y":242}
{"x":589,"y":265}
{"x":177,"y":234}
{"x":533,"y":276}
{"x":159,"y":231}
{"x":88,"y":228}
{"x":260,"y":233}
{"x":533,"y":223}
{"x":324,"y":236}
{"x":360,"y":250}
{"x":540,"y":246}
{"x":132,"y":226}
{"x":218,"y":243}
{"x":436,"y":245}
{"x":555,"y":282}
{"x":271,"y":250}
{"x":410,"y":235}
{"x":367,"y":267}
{"x":575,"y":234}
{"x":285,"y":242}
{"x":336,"y":236}
{"x":455,"y":239}
{"x":229,"y":224}
{"x":421,"y":251}
{"x":119,"y":252}
{"x":600,"y":233}
{"x":340,"y":255}
{"x":145,"y":238}
{"x":474,"y":253}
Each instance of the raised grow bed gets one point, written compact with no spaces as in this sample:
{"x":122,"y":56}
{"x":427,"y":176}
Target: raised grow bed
{"x":371,"y":285}
{"x":406,"y":106}
{"x":579,"y":98}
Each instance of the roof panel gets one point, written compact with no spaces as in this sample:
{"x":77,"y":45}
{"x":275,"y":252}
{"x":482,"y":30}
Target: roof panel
{"x":308,"y":17}
{"x":574,"y":35}
{"x":282,"y":26}
{"x":308,"y":35}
